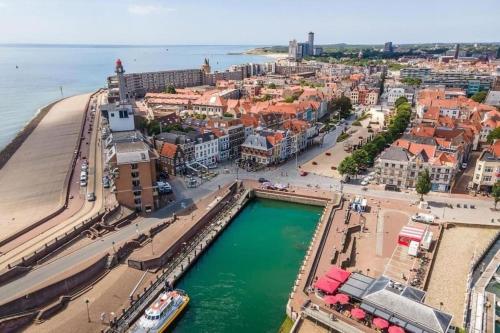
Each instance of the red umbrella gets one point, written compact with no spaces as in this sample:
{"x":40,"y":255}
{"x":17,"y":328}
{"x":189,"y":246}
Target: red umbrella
{"x":357,"y":313}
{"x":329,"y":299}
{"x":396,"y":329}
{"x":342,"y":299}
{"x":381,"y":323}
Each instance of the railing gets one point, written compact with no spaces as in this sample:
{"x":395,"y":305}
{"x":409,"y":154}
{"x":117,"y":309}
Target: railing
{"x":122,"y":323}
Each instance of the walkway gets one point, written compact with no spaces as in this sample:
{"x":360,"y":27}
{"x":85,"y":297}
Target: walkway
{"x":32,"y":183}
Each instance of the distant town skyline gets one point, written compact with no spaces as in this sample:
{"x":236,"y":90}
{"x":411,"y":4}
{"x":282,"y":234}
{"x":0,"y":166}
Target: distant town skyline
{"x":240,"y":22}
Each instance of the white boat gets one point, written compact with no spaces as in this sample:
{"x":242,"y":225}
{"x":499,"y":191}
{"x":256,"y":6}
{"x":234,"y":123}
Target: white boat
{"x":161,"y":314}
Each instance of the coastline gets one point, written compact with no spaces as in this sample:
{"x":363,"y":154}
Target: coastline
{"x":8,"y":151}
{"x":263,"y":52}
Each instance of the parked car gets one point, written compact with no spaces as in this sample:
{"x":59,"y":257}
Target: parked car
{"x":91,"y":196}
{"x":105,"y":182}
{"x":303,"y":173}
{"x":423,"y":218}
{"x":83,"y":183}
{"x":263,"y":180}
{"x":364,"y":182}
{"x":84,"y":166}
{"x":464,"y":165}
{"x":164,"y":187}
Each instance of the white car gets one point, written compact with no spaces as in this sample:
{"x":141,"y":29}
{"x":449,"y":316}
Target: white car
{"x":84,"y":166}
{"x":83,"y":183}
{"x":364,"y":182}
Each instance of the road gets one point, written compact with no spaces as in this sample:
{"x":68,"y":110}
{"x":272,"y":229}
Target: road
{"x":287,"y":174}
{"x":60,"y":224}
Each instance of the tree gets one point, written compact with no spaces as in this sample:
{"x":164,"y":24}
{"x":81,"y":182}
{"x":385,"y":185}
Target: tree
{"x":342,"y":104}
{"x":479,"y":97}
{"x":412,"y":81}
{"x":361,"y":158}
{"x":272,"y":86}
{"x":348,"y":166}
{"x":171,"y":90}
{"x":400,"y":101}
{"x":494,"y":135}
{"x":495,"y":192}
{"x":423,"y":183}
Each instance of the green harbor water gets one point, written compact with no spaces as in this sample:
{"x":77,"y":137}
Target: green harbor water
{"x":241,"y":284}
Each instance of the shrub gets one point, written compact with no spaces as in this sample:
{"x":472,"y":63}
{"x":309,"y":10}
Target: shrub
{"x":356,"y":123}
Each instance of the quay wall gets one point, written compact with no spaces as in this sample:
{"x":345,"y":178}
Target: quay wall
{"x":290,"y":197}
{"x":17,"y":323}
{"x":46,"y":295}
{"x":12,"y":147}
{"x":167,"y":254}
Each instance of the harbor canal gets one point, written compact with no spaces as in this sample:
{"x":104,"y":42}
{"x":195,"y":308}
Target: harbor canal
{"x":242,"y":282}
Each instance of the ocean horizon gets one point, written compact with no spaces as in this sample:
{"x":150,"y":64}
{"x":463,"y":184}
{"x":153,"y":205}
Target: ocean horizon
{"x":34,"y":75}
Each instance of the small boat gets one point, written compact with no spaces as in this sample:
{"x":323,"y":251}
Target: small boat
{"x":162,"y":313}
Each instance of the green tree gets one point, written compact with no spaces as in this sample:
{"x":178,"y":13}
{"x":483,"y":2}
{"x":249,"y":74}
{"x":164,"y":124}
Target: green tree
{"x":495,"y":192}
{"x":348,"y":166}
{"x":423,"y":183}
{"x":494,"y":135}
{"x":412,"y":81}
{"x":400,"y":101}
{"x":361,"y":158}
{"x":290,"y":99}
{"x":271,"y":86}
{"x":479,"y":97}
{"x":342,"y":104}
{"x":171,"y":90}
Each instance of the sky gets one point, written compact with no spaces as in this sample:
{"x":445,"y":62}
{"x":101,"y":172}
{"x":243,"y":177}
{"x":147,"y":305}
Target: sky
{"x":247,"y":22}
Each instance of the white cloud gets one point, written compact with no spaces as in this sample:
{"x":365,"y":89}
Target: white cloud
{"x":2,"y":4}
{"x":147,"y":9}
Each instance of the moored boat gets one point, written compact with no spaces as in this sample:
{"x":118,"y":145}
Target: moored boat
{"x":161,"y":314}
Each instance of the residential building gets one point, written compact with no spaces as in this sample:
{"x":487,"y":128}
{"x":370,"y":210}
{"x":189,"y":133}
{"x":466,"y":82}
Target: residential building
{"x":487,"y":171}
{"x":133,"y":167}
{"x":172,"y":159}
{"x":257,"y":150}
{"x":394,"y":93}
{"x":206,"y":148}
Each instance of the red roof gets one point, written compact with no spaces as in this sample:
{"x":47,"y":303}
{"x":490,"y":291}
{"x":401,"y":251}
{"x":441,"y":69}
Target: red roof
{"x":168,"y":150}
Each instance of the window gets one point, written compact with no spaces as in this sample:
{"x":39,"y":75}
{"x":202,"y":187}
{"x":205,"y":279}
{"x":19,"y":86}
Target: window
{"x":112,"y":114}
{"x":135,"y":174}
{"x":133,"y":165}
{"x":123,"y":114}
{"x":488,"y":169}
{"x":487,"y":178}
{"x":136,"y":183}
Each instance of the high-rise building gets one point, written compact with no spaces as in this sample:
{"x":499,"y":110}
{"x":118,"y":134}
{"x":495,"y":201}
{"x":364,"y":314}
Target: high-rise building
{"x":457,"y":51}
{"x":310,"y":42}
{"x":388,"y":47}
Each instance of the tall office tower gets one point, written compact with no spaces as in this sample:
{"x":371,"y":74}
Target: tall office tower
{"x":388,"y":47}
{"x":457,"y":50}
{"x":310,"y":42}
{"x":121,"y":80}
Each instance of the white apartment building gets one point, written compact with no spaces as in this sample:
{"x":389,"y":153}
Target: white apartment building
{"x":487,"y":171}
{"x":206,"y":149}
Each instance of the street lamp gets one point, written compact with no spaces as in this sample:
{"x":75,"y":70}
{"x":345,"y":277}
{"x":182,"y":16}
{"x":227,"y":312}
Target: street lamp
{"x":152,"y":249}
{"x":137,"y":229}
{"x":114,"y":250}
{"x":88,"y":311}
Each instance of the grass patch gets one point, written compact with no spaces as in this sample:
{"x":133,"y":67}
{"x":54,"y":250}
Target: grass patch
{"x":364,"y":116}
{"x":286,"y":326}
{"x":342,"y":137}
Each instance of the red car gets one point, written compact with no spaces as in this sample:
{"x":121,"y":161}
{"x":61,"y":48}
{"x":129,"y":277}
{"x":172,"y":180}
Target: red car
{"x":303,"y":173}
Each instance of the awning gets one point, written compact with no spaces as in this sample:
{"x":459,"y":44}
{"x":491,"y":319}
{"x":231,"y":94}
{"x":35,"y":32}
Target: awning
{"x":342,"y":299}
{"x":357,"y":313}
{"x":327,"y":285}
{"x":338,"y":274}
{"x":380,"y":323}
{"x":396,"y":329}
{"x":329,"y":299}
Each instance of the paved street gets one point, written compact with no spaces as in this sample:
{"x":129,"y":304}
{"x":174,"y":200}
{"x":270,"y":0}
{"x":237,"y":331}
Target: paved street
{"x":35,"y":238}
{"x":286,"y":174}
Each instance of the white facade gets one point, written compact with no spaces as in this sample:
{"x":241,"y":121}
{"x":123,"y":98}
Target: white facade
{"x":394,"y":93}
{"x":120,"y":117}
{"x":207,"y":152}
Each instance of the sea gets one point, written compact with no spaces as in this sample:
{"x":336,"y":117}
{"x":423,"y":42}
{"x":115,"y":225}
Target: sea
{"x":32,"y":76}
